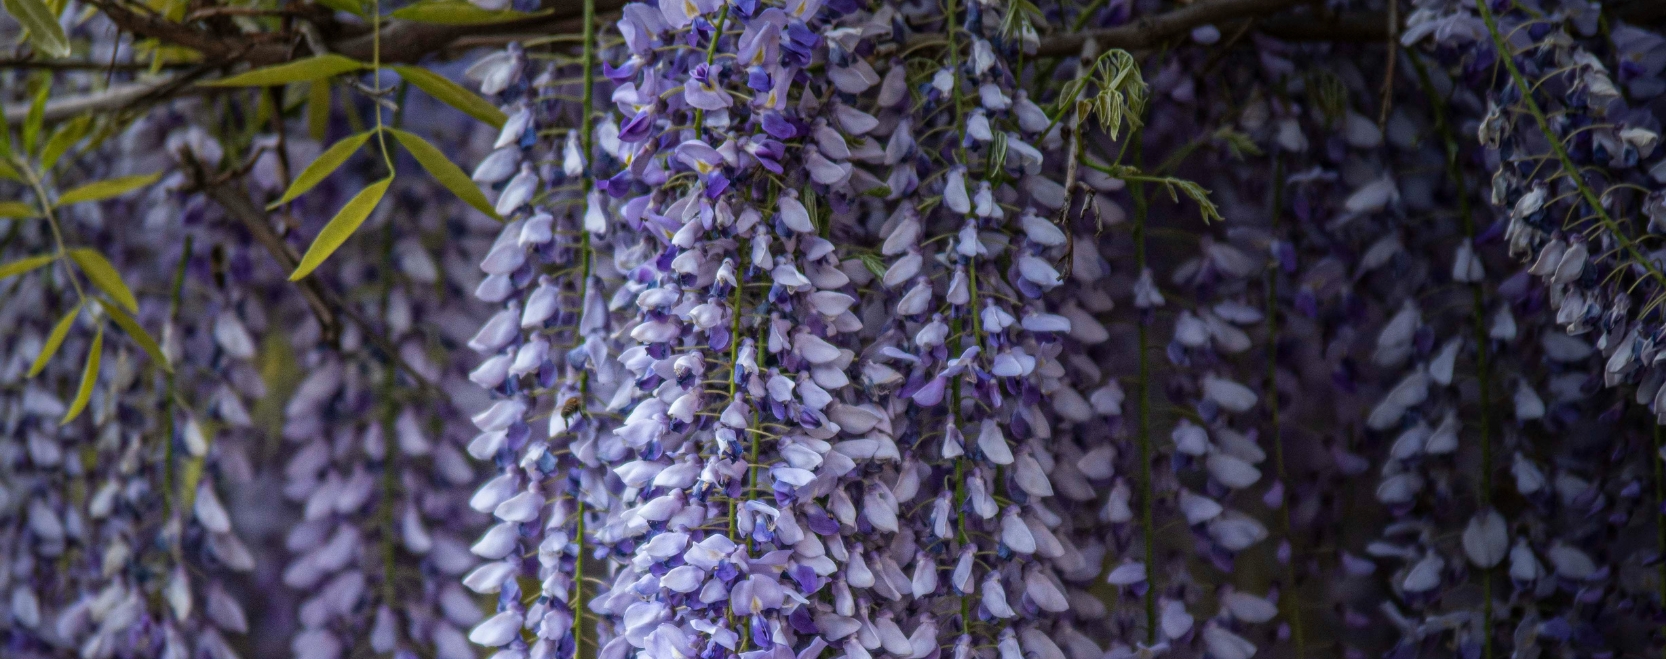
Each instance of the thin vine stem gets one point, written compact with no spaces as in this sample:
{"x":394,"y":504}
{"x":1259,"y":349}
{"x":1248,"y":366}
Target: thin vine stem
{"x":1275,"y":422}
{"x":1142,"y":435}
{"x":586,"y":255}
{"x":1478,"y":325}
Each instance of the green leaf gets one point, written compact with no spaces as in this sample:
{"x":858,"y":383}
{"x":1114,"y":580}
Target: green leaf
{"x":43,"y":26}
{"x":36,"y":117}
{"x":62,"y":139}
{"x":6,"y":170}
{"x":350,"y":6}
{"x":23,"y":265}
{"x":54,"y":340}
{"x":318,"y":109}
{"x":89,"y":376}
{"x":138,"y":334}
{"x":105,"y":277}
{"x":311,"y":68}
{"x":452,"y":94}
{"x":16,"y":210}
{"x":456,"y":12}
{"x":443,"y":170}
{"x":342,"y":226}
{"x":107,"y":188}
{"x":321,"y":167}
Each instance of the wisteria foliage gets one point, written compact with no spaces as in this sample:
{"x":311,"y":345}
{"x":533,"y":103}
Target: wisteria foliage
{"x":849,"y":329}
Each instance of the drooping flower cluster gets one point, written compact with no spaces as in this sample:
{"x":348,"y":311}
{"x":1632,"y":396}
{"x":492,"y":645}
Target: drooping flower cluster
{"x":820,"y":327}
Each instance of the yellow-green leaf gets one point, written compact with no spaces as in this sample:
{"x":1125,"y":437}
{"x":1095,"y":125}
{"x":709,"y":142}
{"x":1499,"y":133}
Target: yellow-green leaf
{"x":443,"y":170}
{"x":452,"y":94}
{"x":6,"y":171}
{"x":23,"y":265}
{"x":89,"y":375}
{"x":456,"y":12}
{"x":16,"y":210}
{"x":138,"y":334}
{"x":321,"y":167}
{"x":104,"y":277}
{"x":43,"y":26}
{"x":62,"y":139}
{"x":342,"y":226}
{"x":54,"y":340}
{"x":190,"y":475}
{"x":312,"y":68}
{"x":107,"y":188}
{"x":318,"y":108}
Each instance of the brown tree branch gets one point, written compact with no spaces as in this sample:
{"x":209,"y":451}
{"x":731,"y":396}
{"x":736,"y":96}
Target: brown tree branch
{"x":409,"y":42}
{"x":115,"y":97}
{"x":402,"y":41}
{"x":1370,"y":26}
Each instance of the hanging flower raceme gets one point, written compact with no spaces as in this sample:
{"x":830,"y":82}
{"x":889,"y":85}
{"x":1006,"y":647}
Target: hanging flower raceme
{"x":550,"y":363}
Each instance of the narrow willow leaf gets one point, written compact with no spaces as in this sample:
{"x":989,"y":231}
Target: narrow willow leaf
{"x":16,"y":210}
{"x":320,"y":168}
{"x":89,"y":376}
{"x":107,"y":188}
{"x":23,"y":265}
{"x":54,"y":341}
{"x":318,"y":109}
{"x":36,"y":118}
{"x":454,"y":12}
{"x":311,"y":68}
{"x":452,"y":94}
{"x":443,"y":170}
{"x":137,"y":333}
{"x":6,"y":151}
{"x":62,"y":139}
{"x":43,"y":26}
{"x":6,"y":171}
{"x":105,"y":277}
{"x":342,"y":226}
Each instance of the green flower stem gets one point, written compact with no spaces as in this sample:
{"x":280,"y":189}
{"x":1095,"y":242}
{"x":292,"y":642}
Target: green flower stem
{"x":1148,"y":526}
{"x":711,"y":54}
{"x":169,"y":496}
{"x":586,"y":256}
{"x":1478,"y":325}
{"x":1270,"y":288}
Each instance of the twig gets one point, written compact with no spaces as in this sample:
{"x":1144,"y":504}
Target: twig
{"x":116,"y":97}
{"x":228,"y":193}
{"x":76,"y":65}
{"x":1393,"y":44}
{"x":1148,"y":31}
{"x":210,"y":12}
{"x":237,"y":204}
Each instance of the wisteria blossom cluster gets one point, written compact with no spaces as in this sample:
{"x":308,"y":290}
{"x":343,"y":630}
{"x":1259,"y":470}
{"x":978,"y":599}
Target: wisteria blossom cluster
{"x":797,"y":329}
